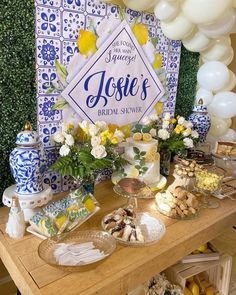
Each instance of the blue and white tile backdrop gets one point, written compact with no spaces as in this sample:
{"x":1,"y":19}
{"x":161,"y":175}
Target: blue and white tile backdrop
{"x":57,"y":25}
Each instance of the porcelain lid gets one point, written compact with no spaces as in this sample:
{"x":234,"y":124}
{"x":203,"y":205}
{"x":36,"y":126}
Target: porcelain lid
{"x":199,"y":107}
{"x":28,"y":137}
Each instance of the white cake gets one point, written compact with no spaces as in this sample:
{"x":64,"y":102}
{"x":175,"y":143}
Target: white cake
{"x":144,"y":160}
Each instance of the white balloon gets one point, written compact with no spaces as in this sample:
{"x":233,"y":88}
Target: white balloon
{"x":229,"y":122}
{"x":177,"y":29}
{"x":223,"y":105}
{"x":205,"y":95}
{"x":227,"y":59}
{"x":218,"y":50}
{"x":204,"y":11}
{"x":213,"y":75}
{"x":230,"y":135}
{"x":197,"y":42}
{"x":231,"y":84}
{"x":166,"y":11}
{"x":221,"y":26}
{"x":140,"y":5}
{"x":218,"y":126}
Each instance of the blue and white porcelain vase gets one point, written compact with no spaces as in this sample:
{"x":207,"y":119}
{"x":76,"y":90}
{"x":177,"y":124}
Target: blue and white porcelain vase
{"x":26,"y":162}
{"x":201,"y":120}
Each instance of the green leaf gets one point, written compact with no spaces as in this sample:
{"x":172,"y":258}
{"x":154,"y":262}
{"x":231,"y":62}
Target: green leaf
{"x":154,"y":41}
{"x":137,"y":167}
{"x":136,"y":157}
{"x":49,"y":90}
{"x":85,"y":157}
{"x":136,"y":150}
{"x":143,"y":153}
{"x":61,"y":72}
{"x":121,"y":13}
{"x":60,"y":104}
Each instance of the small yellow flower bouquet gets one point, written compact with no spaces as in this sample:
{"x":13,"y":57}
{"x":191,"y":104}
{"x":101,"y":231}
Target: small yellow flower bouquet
{"x":87,"y":149}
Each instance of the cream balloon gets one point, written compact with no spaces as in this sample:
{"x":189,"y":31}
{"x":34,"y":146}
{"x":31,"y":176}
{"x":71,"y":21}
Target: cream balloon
{"x":197,"y":42}
{"x":166,"y":11}
{"x":140,"y":5}
{"x":177,"y":29}
{"x":228,"y":122}
{"x":217,"y":51}
{"x":218,"y":126}
{"x":220,"y":27}
{"x":227,"y":59}
{"x":205,"y":95}
{"x":231,"y":84}
{"x":223,"y":105}
{"x":230,"y":135}
{"x":205,"y":11}
{"x":213,"y":75}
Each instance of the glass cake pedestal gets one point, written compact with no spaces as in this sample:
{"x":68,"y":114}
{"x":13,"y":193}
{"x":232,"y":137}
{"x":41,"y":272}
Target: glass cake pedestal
{"x":151,"y":227}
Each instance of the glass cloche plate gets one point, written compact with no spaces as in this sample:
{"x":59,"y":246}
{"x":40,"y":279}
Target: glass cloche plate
{"x":152,"y":230}
{"x":101,"y":240}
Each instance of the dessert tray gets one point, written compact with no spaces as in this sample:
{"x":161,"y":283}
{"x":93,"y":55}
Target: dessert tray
{"x":77,"y":251}
{"x":133,"y":229}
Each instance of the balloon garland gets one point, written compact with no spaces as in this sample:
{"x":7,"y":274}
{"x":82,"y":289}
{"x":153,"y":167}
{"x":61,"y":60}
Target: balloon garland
{"x":203,"y":26}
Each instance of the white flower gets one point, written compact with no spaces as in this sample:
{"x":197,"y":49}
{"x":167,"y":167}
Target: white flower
{"x":69,"y":139}
{"x":188,"y":142}
{"x":163,"y":134}
{"x":188,"y":124}
{"x":149,"y":50}
{"x":187,"y":132}
{"x":153,"y":132}
{"x":194,"y":134}
{"x":154,"y":117}
{"x":99,"y":152}
{"x":167,"y":116}
{"x":64,"y":150}
{"x":93,"y":129}
{"x":84,"y":125}
{"x":146,"y":120}
{"x":181,"y":120}
{"x":119,"y":135}
{"x":58,"y":137}
{"x":95,"y":141}
{"x":102,"y":125}
{"x":165,"y":124}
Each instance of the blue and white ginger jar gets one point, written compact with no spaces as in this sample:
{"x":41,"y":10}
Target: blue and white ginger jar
{"x":201,"y":120}
{"x":26,"y":162}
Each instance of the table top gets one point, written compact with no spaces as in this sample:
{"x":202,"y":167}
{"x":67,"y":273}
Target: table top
{"x":127,"y":267}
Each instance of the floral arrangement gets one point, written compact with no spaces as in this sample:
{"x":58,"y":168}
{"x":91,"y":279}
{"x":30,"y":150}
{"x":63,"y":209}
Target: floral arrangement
{"x":173,"y":134}
{"x":86,"y":149}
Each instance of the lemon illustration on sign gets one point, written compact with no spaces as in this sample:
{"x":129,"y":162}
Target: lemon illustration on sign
{"x":141,"y":33}
{"x":157,"y":61}
{"x":147,"y":137}
{"x":87,"y":42}
{"x":89,"y":204}
{"x":60,"y":221}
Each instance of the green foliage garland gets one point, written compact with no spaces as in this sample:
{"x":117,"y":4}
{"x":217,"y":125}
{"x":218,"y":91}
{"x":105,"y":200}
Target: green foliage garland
{"x":17,"y":77}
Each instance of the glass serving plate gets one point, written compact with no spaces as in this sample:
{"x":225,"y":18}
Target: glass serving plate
{"x":102,"y":241}
{"x":168,"y":214}
{"x":144,"y":193}
{"x":152,"y":228}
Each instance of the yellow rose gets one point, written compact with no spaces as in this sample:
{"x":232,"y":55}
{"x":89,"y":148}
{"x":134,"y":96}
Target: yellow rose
{"x":178,"y":129}
{"x":141,"y":33}
{"x":86,"y":42}
{"x":112,"y":128}
{"x":114,"y":140}
{"x":157,"y":61}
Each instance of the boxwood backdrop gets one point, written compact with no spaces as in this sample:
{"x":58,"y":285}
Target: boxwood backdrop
{"x":17,"y":78}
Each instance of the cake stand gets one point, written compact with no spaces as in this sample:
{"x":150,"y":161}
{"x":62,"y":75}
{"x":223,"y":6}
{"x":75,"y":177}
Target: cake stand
{"x":29,"y":203}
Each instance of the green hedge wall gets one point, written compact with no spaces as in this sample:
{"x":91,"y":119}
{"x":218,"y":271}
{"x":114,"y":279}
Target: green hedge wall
{"x":17,"y":77}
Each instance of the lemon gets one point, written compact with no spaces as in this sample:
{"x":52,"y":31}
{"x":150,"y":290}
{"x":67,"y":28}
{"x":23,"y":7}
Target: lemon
{"x":193,"y":287}
{"x":187,"y":291}
{"x":209,"y":291}
{"x":147,"y":137}
{"x":60,"y":221}
{"x":86,"y":42}
{"x":202,"y":248}
{"x":137,"y":136}
{"x":157,"y":61}
{"x":133,"y":173}
{"x":89,"y":204}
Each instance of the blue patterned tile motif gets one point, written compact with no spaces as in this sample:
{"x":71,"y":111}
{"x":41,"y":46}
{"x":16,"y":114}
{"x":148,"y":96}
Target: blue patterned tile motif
{"x":57,"y":26}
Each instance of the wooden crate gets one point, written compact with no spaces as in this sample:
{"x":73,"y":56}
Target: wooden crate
{"x":219,"y":272}
{"x":192,"y":258}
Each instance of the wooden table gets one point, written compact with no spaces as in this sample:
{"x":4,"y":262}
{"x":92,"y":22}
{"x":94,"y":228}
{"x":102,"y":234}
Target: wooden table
{"x":127,"y":267}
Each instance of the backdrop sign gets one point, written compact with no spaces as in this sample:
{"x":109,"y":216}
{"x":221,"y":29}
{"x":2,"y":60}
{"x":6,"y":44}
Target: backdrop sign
{"x":118,"y":84}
